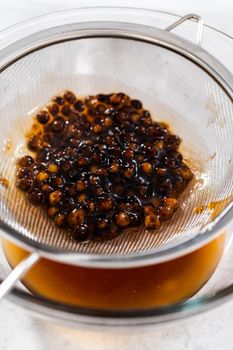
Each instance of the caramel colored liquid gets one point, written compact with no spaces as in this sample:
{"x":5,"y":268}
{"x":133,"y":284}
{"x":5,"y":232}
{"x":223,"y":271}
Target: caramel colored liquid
{"x":143,"y":287}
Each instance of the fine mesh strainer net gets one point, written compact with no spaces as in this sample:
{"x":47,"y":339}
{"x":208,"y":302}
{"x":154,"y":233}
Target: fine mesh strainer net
{"x":171,"y":87}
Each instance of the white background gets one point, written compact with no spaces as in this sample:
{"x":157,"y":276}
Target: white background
{"x":212,"y":330}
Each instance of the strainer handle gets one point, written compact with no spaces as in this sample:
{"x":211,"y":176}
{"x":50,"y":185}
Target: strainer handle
{"x":18,"y":272}
{"x":190,"y":16}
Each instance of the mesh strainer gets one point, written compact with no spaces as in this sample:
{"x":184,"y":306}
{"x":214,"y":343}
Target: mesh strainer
{"x":177,"y":81}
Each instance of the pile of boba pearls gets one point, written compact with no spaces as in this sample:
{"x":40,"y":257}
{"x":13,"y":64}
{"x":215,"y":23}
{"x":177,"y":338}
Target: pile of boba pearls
{"x":100,"y":164}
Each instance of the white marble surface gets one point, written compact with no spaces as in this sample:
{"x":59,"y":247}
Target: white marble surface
{"x":209,"y":331}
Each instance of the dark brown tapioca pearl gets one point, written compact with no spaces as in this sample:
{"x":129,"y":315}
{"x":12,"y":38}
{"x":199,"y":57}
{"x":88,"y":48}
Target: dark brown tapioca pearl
{"x":57,"y":181}
{"x":25,"y":161}
{"x":155,"y":130}
{"x":66,"y":110}
{"x":36,"y":167}
{"x":146,"y":168}
{"x":97,"y":191}
{"x":35,"y":143}
{"x":149,"y":209}
{"x":76,"y":217}
{"x":170,"y":162}
{"x":55,"y":197}
{"x":53,"y":168}
{"x":125,"y":206}
{"x":152,"y":221}
{"x":89,"y":205}
{"x":53,"y":109}
{"x":23,"y":172}
{"x":145,"y":114}
{"x":149,"y":148}
{"x":117,"y":99}
{"x":79,"y":106}
{"x":136,"y":104}
{"x":103,"y":98}
{"x":135,"y":218}
{"x":43,"y":117}
{"x":81,"y":185}
{"x":128,"y":136}
{"x":75,"y":117}
{"x":69,"y":97}
{"x":70,"y":190}
{"x":185,"y":173}
{"x":119,"y":190}
{"x":47,"y":188}
{"x":80,"y":232}
{"x":60,"y":220}
{"x":90,"y":101}
{"x":59,"y":100}
{"x":134,"y":201}
{"x":114,"y":167}
{"x":146,"y":121}
{"x":68,"y":205}
{"x":88,"y":151}
{"x":129,"y":172}
{"x":47,"y":138}
{"x":97,"y":129}
{"x":58,"y":125}
{"x":73,"y":142}
{"x":82,"y":197}
{"x":166,"y":186}
{"x":135,"y":118}
{"x":160,"y":144}
{"x":140,"y":130}
{"x":161,"y":171}
{"x":133,"y":146}
{"x":177,"y":156}
{"x":166,"y":212}
{"x":89,"y":142}
{"x":42,"y":176}
{"x":102,"y":222}
{"x":36,"y":197}
{"x":112,"y":112}
{"x":73,"y":174}
{"x":172,"y":142}
{"x":144,"y":191}
{"x":128,"y":154}
{"x":111,"y":140}
{"x":122,"y":219}
{"x":100,"y":109}
{"x":25,"y":183}
{"x":70,"y":152}
{"x":107,"y":122}
{"x":105,"y":204}
{"x":67,"y":166}
{"x":82,"y":162}
{"x":93,"y":169}
{"x":97,"y":158}
{"x":171,"y":202}
{"x":51,"y":212}
{"x":102,"y":172}
{"x":94,"y":179}
{"x":44,"y":154}
{"x":107,"y":185}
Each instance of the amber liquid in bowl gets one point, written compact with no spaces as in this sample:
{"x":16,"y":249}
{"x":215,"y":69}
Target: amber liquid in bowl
{"x":143,"y":287}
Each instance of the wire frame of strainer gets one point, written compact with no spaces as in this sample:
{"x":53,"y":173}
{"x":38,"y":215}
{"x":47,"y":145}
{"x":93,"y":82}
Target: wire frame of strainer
{"x":177,"y":81}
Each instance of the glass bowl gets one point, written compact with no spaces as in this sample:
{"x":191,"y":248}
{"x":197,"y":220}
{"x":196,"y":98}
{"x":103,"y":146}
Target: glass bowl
{"x":220,"y":285}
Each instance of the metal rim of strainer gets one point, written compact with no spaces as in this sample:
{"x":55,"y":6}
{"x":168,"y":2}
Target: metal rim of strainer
{"x":152,"y":36}
{"x":172,"y":312}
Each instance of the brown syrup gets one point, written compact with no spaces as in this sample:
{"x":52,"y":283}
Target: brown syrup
{"x":144,"y":287}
